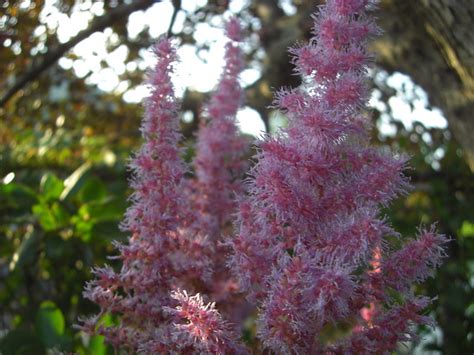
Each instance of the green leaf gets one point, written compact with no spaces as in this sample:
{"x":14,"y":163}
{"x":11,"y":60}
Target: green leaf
{"x":92,"y":190}
{"x":97,"y":345}
{"x":51,"y":217}
{"x":110,"y":209}
{"x":61,"y":216}
{"x":51,"y":187}
{"x":83,"y":228}
{"x":18,"y":196}
{"x":74,"y":182}
{"x":19,"y":342}
{"x":99,"y":218}
{"x":108,"y":230}
{"x":50,"y":324}
{"x":45,"y":216}
{"x":467,"y":229}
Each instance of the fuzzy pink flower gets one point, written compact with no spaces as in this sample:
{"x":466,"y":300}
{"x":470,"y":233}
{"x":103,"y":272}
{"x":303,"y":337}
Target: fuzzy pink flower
{"x":415,"y":261}
{"x":311,"y":250}
{"x":164,"y":251}
{"x":200,"y":326}
{"x":311,"y":224}
{"x":220,"y":155}
{"x":141,"y":288}
{"x":220,"y":165}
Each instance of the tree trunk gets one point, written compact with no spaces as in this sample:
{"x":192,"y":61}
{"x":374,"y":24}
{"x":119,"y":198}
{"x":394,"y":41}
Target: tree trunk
{"x":432,"y":42}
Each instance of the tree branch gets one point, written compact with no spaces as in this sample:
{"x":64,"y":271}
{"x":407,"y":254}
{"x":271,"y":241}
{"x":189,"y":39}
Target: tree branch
{"x":98,"y":24}
{"x":176,"y":8}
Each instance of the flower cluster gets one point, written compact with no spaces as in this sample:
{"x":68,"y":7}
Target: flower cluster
{"x":310,"y":250}
{"x":174,"y":246}
{"x":220,"y":165}
{"x":220,"y":153}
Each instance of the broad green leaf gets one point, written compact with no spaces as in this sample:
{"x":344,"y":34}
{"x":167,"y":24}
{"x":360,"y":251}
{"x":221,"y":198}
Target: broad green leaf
{"x":108,"y":230}
{"x":45,"y":216}
{"x":51,"y":217}
{"x":83,"y":228}
{"x":50,"y":324}
{"x":92,"y":190}
{"x":17,"y":195}
{"x":99,"y":218}
{"x":107,"y":210}
{"x":61,"y":216}
{"x":467,"y":229}
{"x":51,"y":187}
{"x":97,"y":346}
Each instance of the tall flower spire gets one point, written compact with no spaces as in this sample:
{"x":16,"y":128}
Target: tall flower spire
{"x":311,"y":224}
{"x":163,"y":253}
{"x":220,"y":165}
{"x":141,"y":288}
{"x":220,"y":156}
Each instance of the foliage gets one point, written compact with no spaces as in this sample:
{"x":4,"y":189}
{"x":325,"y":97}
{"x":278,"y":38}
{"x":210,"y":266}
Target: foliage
{"x":53,"y":232}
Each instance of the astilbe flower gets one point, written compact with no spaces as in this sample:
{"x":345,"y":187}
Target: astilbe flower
{"x":200,"y":326}
{"x":311,"y":250}
{"x":220,"y":166}
{"x":310,"y":228}
{"x":220,"y":162}
{"x":164,"y":252}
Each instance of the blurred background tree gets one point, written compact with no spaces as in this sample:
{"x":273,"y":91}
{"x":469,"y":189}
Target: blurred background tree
{"x":70,"y":75}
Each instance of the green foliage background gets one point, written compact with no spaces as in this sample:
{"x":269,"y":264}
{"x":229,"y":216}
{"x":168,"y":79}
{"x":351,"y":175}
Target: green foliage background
{"x":61,"y":209}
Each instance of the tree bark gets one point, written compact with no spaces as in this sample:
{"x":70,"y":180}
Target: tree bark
{"x":432,"y":42}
